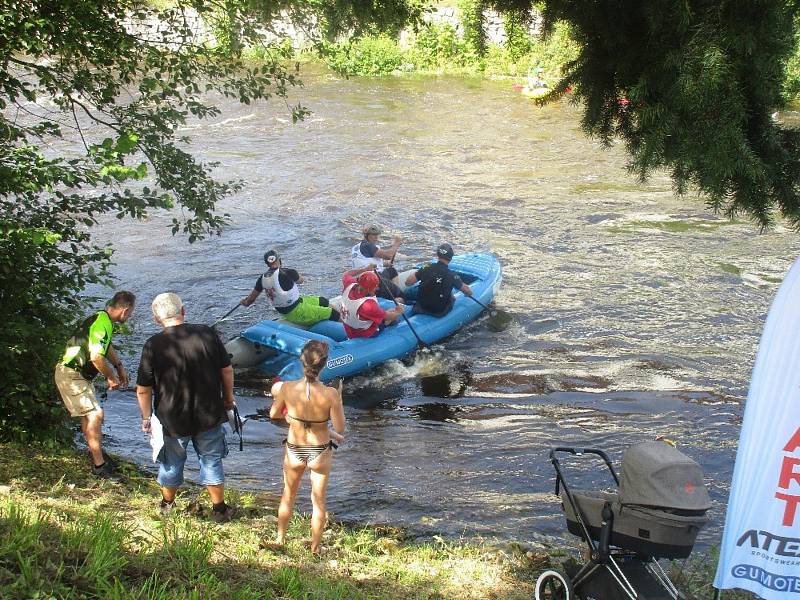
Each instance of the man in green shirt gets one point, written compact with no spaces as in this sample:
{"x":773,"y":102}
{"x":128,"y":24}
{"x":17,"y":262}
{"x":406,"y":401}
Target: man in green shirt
{"x":89,"y":353}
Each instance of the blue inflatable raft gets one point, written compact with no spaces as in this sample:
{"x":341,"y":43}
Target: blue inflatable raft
{"x":275,"y":346}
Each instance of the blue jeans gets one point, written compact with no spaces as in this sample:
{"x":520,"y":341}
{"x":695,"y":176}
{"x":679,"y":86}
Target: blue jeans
{"x":211,"y":448}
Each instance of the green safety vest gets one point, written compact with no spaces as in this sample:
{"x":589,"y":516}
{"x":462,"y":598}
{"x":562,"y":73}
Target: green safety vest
{"x":91,"y":336}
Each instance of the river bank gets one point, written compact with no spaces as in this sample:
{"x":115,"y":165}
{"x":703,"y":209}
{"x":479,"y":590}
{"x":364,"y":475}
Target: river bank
{"x":637,"y":313}
{"x":67,"y":535}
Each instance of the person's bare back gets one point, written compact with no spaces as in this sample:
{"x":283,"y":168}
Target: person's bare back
{"x":308,"y":405}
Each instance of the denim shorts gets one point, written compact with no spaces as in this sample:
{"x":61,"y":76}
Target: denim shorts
{"x":211,"y":448}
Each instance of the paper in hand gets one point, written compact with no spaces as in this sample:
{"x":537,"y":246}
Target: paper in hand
{"x":156,"y":436}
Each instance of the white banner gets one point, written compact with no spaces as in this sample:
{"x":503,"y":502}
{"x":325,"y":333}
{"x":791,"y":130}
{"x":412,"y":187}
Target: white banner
{"x":760,"y":549}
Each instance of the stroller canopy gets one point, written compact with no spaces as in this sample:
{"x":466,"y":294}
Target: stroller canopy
{"x":656,"y":474}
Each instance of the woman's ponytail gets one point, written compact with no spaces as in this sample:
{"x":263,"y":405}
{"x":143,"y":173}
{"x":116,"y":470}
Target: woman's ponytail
{"x":313,"y":357}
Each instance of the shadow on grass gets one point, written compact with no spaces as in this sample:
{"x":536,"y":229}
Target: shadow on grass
{"x":72,"y":554}
{"x":65,"y":534}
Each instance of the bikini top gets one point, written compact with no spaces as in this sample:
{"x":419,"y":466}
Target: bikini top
{"x":307,"y":423}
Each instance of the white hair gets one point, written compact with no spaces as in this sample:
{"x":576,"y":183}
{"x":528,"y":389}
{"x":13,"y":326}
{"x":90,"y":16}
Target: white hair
{"x":167,"y":306}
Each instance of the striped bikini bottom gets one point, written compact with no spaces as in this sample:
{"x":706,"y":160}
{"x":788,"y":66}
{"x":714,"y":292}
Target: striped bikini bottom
{"x":307,"y":453}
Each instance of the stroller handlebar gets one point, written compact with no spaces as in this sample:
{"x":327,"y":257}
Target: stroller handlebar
{"x":562,"y":483}
{"x":578,"y":452}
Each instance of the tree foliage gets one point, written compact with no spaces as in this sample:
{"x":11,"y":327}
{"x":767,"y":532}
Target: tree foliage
{"x":91,"y":97}
{"x":516,"y":24}
{"x":92,"y":93}
{"x":322,"y":21}
{"x":690,"y":86}
{"x":472,"y":21}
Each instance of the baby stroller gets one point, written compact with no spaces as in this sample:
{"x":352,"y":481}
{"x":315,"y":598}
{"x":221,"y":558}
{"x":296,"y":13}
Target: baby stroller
{"x":657,"y":511}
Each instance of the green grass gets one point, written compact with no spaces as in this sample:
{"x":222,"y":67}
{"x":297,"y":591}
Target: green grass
{"x":437,"y":49}
{"x":64,"y":534}
{"x":696,"y":575}
{"x":770,"y":279}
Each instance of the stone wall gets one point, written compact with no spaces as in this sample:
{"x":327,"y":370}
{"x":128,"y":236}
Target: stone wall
{"x":493,"y":24}
{"x":302,"y":36}
{"x":157,"y":31}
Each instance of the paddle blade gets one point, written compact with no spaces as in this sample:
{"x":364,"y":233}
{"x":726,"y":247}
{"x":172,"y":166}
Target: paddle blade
{"x":499,"y":320}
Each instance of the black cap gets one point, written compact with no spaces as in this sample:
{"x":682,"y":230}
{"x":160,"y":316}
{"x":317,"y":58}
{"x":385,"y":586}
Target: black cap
{"x":445,"y":251}
{"x":271,"y":258}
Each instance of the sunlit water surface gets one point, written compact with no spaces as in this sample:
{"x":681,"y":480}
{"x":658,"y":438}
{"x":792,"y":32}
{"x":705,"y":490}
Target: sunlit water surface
{"x":637,"y":313}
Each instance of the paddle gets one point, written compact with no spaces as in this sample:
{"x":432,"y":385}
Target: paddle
{"x":235,"y":422}
{"x":402,"y":314}
{"x":499,"y":320}
{"x":226,"y":315}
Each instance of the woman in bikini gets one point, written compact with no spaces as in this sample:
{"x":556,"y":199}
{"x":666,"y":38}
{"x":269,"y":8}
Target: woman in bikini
{"x":307,"y":405}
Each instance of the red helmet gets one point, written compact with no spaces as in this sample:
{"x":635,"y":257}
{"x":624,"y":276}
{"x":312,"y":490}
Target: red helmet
{"x":368,"y":281}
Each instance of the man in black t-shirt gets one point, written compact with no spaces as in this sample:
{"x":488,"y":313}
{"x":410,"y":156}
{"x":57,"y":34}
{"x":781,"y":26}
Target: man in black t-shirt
{"x":186,"y":369}
{"x":437,"y":282}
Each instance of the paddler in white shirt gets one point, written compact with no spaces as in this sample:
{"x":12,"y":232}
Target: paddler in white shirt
{"x":280,"y":286}
{"x":367,"y":253}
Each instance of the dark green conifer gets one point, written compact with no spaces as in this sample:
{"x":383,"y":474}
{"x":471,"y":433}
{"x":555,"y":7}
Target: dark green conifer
{"x":690,"y":86}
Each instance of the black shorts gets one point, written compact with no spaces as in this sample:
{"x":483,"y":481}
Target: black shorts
{"x":389,"y":289}
{"x":421,"y":310}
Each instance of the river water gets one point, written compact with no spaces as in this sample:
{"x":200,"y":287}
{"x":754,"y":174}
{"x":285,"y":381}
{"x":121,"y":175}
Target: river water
{"x":637,"y":314}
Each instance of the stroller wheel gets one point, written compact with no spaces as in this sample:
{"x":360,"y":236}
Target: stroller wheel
{"x":554,"y":585}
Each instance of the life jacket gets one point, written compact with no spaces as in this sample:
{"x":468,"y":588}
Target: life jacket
{"x":360,"y":261}
{"x":280,"y":297}
{"x":350,"y":308}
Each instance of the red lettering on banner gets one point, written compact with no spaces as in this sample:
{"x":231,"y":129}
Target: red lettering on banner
{"x":793,"y":443}
{"x":791,"y":507}
{"x":788,"y":474}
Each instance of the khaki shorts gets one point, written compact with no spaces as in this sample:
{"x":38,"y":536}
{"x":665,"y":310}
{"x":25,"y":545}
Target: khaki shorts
{"x":76,"y":392}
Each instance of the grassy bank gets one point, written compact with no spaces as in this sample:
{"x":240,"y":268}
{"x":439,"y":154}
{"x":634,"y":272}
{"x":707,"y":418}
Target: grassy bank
{"x":64,"y":534}
{"x":438,"y":49}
